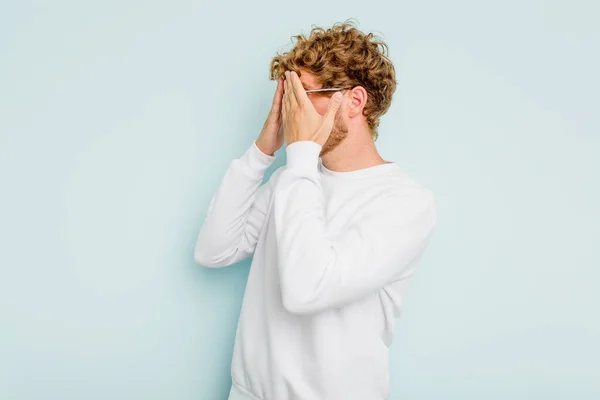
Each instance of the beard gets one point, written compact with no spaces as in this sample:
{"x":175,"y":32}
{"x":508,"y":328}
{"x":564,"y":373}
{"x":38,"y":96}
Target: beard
{"x":338,"y":133}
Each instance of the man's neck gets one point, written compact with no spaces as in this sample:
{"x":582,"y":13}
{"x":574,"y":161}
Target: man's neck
{"x":356,"y":151}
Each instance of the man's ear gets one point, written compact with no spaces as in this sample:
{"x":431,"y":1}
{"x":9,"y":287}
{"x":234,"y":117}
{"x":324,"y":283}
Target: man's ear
{"x":357,"y":101}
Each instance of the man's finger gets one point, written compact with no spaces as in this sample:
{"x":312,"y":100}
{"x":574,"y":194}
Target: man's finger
{"x":286,"y":103}
{"x":290,"y":88}
{"x":334,"y":105}
{"x":278,"y":94}
{"x":284,"y":106}
{"x":299,"y":93}
{"x":286,"y":94}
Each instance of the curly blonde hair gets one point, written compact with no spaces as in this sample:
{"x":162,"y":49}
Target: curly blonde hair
{"x":344,"y":56}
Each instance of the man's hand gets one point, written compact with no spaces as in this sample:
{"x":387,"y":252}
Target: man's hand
{"x":300,"y":119}
{"x":271,"y":136}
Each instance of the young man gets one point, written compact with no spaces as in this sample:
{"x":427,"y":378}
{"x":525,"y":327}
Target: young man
{"x":336,"y":233}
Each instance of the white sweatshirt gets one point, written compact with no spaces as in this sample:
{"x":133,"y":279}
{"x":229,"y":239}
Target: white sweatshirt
{"x":333,"y":252}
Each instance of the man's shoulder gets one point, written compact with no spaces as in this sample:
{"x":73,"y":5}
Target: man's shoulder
{"x":399,"y":184}
{"x":402,"y":195}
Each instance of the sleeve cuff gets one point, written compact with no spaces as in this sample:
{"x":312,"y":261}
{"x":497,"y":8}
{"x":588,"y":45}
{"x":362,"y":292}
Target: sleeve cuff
{"x":256,"y":160}
{"x":303,"y":156}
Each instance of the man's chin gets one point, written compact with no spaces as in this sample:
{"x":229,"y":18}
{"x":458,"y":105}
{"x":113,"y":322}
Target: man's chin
{"x":337,"y":136}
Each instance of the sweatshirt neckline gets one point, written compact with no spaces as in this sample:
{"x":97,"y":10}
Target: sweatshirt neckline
{"x":359,"y":173}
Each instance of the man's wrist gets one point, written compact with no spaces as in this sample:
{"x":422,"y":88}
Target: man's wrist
{"x":263,"y":149}
{"x":255,"y":158}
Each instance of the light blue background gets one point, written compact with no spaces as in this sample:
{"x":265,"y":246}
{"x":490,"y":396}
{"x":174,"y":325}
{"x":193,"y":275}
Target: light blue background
{"x":119,"y":118}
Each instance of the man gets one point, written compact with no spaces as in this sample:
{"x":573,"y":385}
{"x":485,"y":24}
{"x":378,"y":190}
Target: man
{"x":336,"y":233}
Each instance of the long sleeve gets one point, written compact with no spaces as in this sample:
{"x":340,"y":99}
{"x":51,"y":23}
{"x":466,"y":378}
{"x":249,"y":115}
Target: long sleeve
{"x":236,"y":212}
{"x":316,"y":272}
